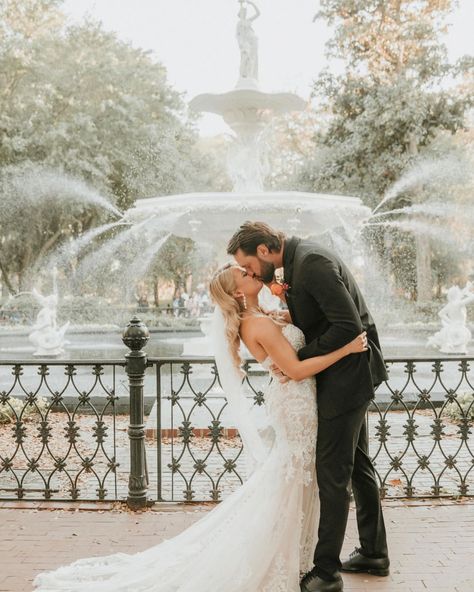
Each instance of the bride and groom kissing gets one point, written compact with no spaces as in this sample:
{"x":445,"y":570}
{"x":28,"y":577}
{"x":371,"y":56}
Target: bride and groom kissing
{"x":283,"y":529}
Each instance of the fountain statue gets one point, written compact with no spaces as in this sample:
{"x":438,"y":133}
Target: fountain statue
{"x":45,"y":335}
{"x":454,"y":335}
{"x":245,"y":109}
{"x":248,"y":44}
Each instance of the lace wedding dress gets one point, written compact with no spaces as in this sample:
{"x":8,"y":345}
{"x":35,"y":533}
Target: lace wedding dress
{"x":259,"y":539}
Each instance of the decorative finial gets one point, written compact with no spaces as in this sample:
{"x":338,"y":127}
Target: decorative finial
{"x":136,"y":334}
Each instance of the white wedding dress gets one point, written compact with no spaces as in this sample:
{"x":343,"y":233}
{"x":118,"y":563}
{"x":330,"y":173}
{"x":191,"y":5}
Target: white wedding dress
{"x":259,"y":539}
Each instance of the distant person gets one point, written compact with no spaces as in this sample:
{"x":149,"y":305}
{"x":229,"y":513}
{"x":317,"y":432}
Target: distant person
{"x":176,"y":305}
{"x":143,"y":304}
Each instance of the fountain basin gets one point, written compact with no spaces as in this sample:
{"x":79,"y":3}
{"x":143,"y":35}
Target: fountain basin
{"x":247,"y":99}
{"x":216,"y":216}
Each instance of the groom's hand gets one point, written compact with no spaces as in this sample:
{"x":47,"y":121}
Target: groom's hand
{"x":282,"y":378}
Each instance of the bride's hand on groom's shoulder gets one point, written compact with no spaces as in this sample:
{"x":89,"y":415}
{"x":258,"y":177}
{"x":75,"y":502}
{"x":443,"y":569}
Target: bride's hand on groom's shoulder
{"x":358,"y":345}
{"x":280,"y":315}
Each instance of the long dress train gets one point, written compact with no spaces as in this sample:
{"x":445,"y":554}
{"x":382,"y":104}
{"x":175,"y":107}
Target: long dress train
{"x":259,"y":539}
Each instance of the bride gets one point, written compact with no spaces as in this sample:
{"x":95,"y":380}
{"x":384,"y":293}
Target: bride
{"x":261,"y":537}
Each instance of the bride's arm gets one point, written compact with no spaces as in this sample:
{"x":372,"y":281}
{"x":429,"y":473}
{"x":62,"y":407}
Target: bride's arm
{"x":269,"y":337}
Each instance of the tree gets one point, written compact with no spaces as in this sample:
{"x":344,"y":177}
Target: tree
{"x":389,"y":105}
{"x":79,"y":102}
{"x":178,"y":260}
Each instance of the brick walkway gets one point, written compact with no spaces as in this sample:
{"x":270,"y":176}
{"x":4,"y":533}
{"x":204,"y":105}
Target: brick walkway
{"x":432,"y":544}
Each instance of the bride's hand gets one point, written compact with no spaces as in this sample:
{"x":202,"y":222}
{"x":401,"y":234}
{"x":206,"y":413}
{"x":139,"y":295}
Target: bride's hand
{"x":280,"y":315}
{"x":358,"y":345}
{"x":282,"y":378}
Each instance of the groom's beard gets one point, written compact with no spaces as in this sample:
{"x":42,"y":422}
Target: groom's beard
{"x":267,"y":272}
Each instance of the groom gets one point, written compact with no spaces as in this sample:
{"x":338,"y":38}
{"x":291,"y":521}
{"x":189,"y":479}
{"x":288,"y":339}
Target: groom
{"x":325,"y":302}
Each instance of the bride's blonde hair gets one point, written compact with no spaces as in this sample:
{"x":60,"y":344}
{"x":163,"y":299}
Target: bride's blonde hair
{"x":221,"y":287}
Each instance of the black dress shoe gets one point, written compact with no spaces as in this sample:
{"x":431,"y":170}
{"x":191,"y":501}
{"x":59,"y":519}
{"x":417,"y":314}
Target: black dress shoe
{"x":313,"y":583}
{"x":360,"y":563}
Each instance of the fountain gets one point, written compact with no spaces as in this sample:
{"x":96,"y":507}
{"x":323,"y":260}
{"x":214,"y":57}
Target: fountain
{"x":131,"y":244}
{"x":213,"y":217}
{"x":246,"y":109}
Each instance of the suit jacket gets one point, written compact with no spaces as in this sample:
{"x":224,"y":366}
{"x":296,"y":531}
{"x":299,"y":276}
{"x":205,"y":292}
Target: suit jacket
{"x":326,"y":304}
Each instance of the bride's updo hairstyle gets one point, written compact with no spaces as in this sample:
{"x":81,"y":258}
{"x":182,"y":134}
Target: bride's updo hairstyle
{"x":221,"y":288}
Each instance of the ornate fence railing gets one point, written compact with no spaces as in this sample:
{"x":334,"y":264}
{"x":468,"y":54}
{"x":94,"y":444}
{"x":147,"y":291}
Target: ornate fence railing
{"x":420,"y":426}
{"x":58,"y":429}
{"x":62,"y":436}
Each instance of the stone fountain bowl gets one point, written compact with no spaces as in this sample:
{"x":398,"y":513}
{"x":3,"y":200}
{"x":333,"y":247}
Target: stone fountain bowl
{"x":215,"y":216}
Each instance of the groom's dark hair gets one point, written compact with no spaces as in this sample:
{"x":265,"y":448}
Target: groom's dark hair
{"x":252,"y":234}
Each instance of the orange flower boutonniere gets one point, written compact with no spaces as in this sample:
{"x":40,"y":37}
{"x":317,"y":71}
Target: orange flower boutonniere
{"x":279,"y":289}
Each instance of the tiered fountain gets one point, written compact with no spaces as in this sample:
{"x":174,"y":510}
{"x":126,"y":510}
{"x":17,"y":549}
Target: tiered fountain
{"x":213,"y":217}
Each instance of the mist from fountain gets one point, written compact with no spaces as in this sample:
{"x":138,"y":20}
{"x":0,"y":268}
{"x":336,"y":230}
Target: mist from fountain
{"x":38,"y":186}
{"x":417,"y":227}
{"x":447,"y":170}
{"x":147,"y":258}
{"x":103,"y":255}
{"x":133,"y":251}
{"x":72,"y":249}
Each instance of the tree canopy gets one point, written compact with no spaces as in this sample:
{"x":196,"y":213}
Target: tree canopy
{"x":77,"y":101}
{"x":392,"y":99}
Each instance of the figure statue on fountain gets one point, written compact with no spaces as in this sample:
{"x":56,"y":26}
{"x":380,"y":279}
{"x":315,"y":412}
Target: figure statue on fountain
{"x":247,"y":109}
{"x":454,"y":335}
{"x":47,"y":338}
{"x":248,"y":44}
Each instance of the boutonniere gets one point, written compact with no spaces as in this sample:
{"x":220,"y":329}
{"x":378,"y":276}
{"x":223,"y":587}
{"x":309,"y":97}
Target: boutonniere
{"x":279,"y":288}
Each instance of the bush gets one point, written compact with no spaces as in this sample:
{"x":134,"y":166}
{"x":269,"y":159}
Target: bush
{"x":462,"y":407}
{"x":11,"y":409}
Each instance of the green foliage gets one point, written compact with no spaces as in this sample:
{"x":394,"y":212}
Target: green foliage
{"x":388,"y":105}
{"x":377,"y":130}
{"x":462,"y":407}
{"x":15,"y":409}
{"x":78,"y":101}
{"x":392,"y":107}
{"x":84,"y":101}
{"x":179,"y":259}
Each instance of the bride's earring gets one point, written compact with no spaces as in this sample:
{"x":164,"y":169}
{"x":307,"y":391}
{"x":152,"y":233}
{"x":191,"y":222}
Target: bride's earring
{"x":244,"y":301}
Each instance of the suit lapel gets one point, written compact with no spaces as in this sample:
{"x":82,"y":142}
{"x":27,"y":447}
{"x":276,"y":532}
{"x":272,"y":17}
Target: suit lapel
{"x":289,"y":257}
{"x":288,"y":263}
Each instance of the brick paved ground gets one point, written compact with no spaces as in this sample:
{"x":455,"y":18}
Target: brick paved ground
{"x":432,"y":543}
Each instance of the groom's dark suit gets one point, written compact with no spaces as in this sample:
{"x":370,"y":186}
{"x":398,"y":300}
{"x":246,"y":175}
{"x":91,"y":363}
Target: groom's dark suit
{"x":326,"y":303}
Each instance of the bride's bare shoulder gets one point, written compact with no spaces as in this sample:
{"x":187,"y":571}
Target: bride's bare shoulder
{"x":258,"y":325}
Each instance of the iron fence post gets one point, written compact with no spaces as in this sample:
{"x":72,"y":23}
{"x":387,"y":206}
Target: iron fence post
{"x":135,"y":337}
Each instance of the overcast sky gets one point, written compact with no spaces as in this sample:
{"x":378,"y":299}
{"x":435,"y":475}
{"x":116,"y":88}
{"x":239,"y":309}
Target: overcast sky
{"x":195,"y":40}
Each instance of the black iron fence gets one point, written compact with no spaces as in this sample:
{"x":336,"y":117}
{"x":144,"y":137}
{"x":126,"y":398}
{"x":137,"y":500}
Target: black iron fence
{"x":420,"y":426}
{"x":58,"y":432}
{"x":62,"y":436}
